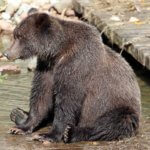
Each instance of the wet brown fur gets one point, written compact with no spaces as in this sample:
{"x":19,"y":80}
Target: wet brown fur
{"x":78,"y":81}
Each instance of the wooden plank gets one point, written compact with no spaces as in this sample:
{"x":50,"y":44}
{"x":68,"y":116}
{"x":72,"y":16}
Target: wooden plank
{"x":134,"y":37}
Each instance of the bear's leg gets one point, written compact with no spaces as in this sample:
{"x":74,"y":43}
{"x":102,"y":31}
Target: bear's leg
{"x":114,"y":125}
{"x":67,"y":111}
{"x":41,"y":103}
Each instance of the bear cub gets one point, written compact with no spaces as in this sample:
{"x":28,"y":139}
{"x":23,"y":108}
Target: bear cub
{"x":86,"y":91}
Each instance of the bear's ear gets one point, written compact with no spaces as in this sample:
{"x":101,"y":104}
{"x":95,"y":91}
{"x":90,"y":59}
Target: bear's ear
{"x":42,"y":21}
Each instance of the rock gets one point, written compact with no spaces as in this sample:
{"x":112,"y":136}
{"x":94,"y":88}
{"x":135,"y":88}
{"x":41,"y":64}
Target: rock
{"x":53,"y":12}
{"x":95,"y":143}
{"x":40,"y":3}
{"x":9,"y":69}
{"x":133,"y":19}
{"x":47,"y":143}
{"x":115,"y":18}
{"x":6,"y":25}
{"x":5,"y":16}
{"x":45,"y":6}
{"x":61,"y":5}
{"x":32,"y":64}
{"x":27,"y":1}
{"x":22,"y":12}
{"x":70,"y":12}
{"x":2,"y":5}
{"x":12,"y":6}
{"x":3,"y":59}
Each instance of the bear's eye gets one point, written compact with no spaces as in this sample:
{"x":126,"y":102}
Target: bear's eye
{"x":17,"y":36}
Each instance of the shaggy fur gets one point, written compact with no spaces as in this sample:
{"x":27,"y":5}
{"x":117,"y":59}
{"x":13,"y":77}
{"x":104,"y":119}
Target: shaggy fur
{"x":89,"y":90}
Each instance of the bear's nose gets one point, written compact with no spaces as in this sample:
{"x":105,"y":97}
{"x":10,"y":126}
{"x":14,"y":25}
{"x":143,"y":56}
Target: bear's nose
{"x":5,"y":54}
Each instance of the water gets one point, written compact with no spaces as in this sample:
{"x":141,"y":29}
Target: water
{"x":15,"y":90}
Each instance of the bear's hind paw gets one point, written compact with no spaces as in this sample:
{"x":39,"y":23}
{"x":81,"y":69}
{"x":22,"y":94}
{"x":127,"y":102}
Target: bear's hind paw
{"x":44,"y":138}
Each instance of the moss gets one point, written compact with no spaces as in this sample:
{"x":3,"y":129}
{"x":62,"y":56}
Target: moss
{"x":3,"y":77}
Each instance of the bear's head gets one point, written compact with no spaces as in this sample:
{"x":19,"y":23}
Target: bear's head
{"x":32,"y":37}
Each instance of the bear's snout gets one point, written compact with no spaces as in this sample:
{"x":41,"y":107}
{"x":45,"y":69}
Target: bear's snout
{"x":13,"y":52}
{"x":10,"y":56}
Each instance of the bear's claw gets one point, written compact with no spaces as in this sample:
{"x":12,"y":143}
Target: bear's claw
{"x":16,"y":131}
{"x":66,"y":134}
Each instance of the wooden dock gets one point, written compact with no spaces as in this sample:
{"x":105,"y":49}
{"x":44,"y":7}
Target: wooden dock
{"x":131,"y":31}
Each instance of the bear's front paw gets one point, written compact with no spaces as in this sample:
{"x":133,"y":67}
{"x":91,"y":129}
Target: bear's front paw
{"x":44,"y":138}
{"x":15,"y":130}
{"x":18,"y":116}
{"x":66,"y":135}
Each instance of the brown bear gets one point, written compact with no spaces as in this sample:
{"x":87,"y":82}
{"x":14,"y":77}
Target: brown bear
{"x":88,"y":91}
